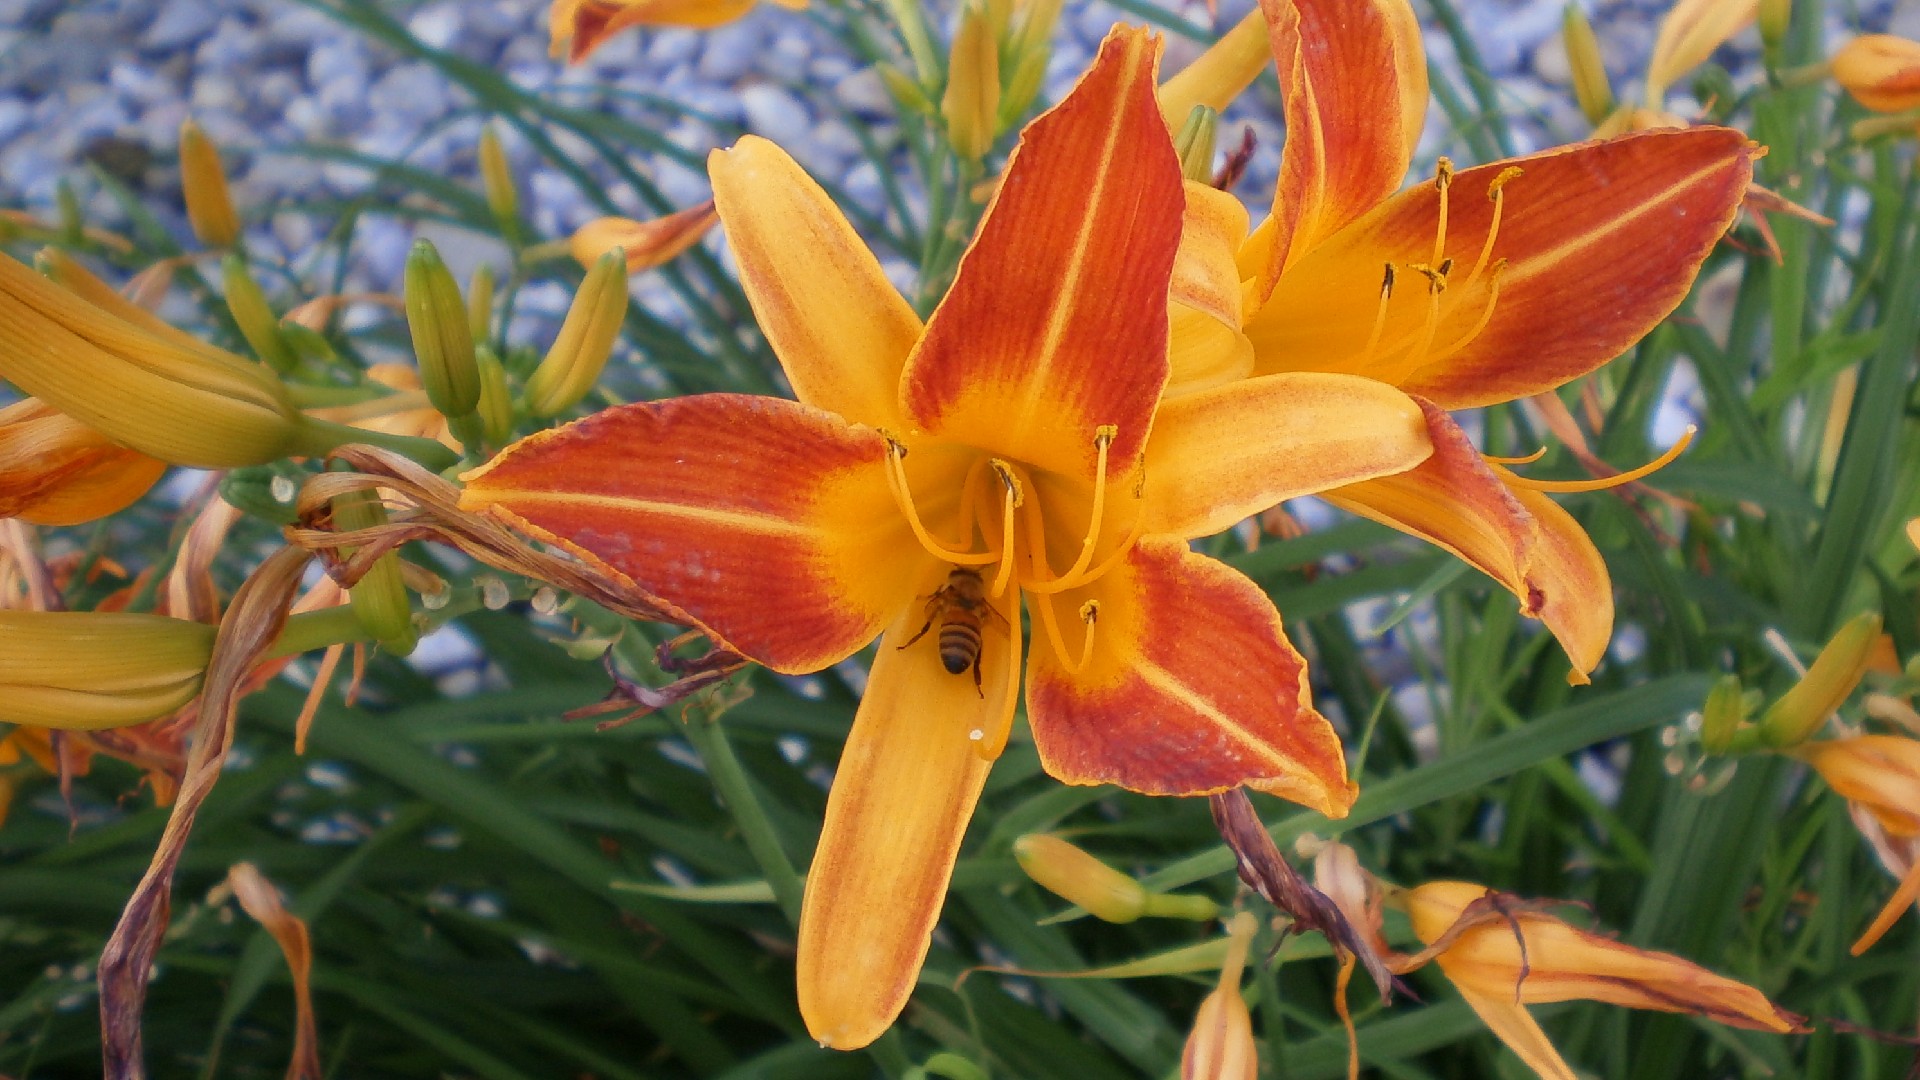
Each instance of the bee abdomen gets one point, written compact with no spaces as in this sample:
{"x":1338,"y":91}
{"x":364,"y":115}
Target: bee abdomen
{"x":959,"y":646}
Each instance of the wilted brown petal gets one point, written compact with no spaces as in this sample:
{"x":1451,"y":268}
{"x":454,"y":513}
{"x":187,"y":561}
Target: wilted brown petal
{"x":262,"y":901}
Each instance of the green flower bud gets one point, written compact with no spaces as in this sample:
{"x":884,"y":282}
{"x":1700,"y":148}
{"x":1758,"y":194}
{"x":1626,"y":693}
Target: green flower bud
{"x":437,"y":318}
{"x":579,"y":354}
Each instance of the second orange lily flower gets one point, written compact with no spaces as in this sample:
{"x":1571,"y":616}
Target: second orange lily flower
{"x":931,"y":477}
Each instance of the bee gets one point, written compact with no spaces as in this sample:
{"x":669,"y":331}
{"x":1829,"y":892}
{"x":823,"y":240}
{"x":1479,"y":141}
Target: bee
{"x":961,"y":607}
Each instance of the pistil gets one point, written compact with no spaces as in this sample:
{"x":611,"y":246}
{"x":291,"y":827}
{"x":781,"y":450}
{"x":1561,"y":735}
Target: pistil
{"x":1601,"y":483}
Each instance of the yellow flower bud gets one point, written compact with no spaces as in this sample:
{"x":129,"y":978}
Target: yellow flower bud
{"x":1105,"y":893}
{"x":496,"y":401}
{"x":1221,"y":1046}
{"x":1194,"y":143}
{"x":480,"y":303}
{"x":1032,"y":47}
{"x":1590,"y":85}
{"x":1218,"y":75}
{"x":1881,"y":71}
{"x":437,"y":318}
{"x":258,"y":324}
{"x":646,"y":244}
{"x":190,"y":406}
{"x":971,"y":105}
{"x":87,"y":670}
{"x":1775,"y":17}
{"x":379,"y":598}
{"x":1689,"y":33}
{"x":1835,"y":672}
{"x":573,"y":365}
{"x":503,"y":197}
{"x":204,"y":182}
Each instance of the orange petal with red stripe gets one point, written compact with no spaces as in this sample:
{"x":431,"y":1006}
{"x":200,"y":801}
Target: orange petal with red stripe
{"x":1190,"y":687}
{"x":841,"y":330}
{"x":904,"y":791}
{"x":54,"y":470}
{"x":1219,"y":455}
{"x":580,"y":26}
{"x":1056,"y":324}
{"x":770,"y":523}
{"x":1353,"y":76}
{"x":1600,"y":242}
{"x":1518,"y":538}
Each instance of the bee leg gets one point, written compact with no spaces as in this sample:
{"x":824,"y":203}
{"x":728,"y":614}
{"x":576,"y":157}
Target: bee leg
{"x":976,"y":676}
{"x":928,"y":625}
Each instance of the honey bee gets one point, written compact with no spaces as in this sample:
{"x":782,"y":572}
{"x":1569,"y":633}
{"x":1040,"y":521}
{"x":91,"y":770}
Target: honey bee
{"x":960,"y":606}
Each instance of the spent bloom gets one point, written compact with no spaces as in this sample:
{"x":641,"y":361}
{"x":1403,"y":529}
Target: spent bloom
{"x":1478,"y":287}
{"x":933,"y":478}
{"x":1879,"y":776}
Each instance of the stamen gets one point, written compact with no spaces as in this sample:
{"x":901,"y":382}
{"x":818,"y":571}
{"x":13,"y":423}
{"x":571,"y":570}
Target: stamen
{"x":1089,"y":614}
{"x":993,"y":738}
{"x":1496,"y":192}
{"x":1486,"y":315}
{"x":970,"y":498}
{"x":1605,"y":482}
{"x":1042,"y":605}
{"x":1528,"y":460}
{"x":1442,"y":181}
{"x":903,"y":497}
{"x":1379,"y":316}
{"x":1417,"y":357}
{"x":1073,"y":581}
{"x":1102,"y":438}
{"x":1016,"y":496}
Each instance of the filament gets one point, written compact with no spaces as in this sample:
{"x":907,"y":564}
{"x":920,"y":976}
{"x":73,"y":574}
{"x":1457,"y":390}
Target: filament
{"x":1495,"y":191}
{"x":1015,"y":497}
{"x":1102,"y":439}
{"x":1528,"y":460}
{"x":1605,"y":482}
{"x":1442,"y":181}
{"x":903,"y":497}
{"x":1479,"y":325}
{"x":1379,"y":316}
{"x":1089,"y":615}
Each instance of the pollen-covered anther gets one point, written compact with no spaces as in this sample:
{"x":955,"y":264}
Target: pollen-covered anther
{"x":1600,"y":483}
{"x":1496,"y":191}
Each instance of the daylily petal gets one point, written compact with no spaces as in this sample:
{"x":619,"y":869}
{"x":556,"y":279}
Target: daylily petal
{"x":770,"y":523}
{"x":1518,"y":538}
{"x":1202,"y":351}
{"x":1512,"y":1024}
{"x":1688,"y":35}
{"x":54,"y":470}
{"x":1601,"y":241}
{"x":1219,"y":455}
{"x":1056,"y":324}
{"x":1878,"y":773}
{"x":1218,"y":75}
{"x":901,"y":798}
{"x":1354,"y":79}
{"x":646,"y":244}
{"x":1191,"y":687}
{"x":1205,"y":277}
{"x":841,"y":330}
{"x":582,"y":25}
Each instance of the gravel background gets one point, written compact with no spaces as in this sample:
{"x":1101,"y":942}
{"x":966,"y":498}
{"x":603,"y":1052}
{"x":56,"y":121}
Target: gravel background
{"x":111,"y":80}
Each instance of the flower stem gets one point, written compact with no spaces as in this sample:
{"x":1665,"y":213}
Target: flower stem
{"x":320,"y":437}
{"x":309,"y":630}
{"x":737,"y":794}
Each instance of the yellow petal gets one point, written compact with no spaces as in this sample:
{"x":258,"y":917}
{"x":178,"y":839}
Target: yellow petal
{"x":1218,"y":75}
{"x":1219,"y":455}
{"x":1211,"y":232}
{"x":840,"y":329}
{"x":905,"y":788}
{"x":1688,"y":35}
{"x":1512,"y":1024}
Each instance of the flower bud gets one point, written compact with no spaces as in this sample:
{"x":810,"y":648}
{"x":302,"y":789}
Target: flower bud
{"x":379,"y":598}
{"x":1775,"y":18}
{"x":480,"y":303}
{"x":573,"y":365}
{"x":1218,"y":75}
{"x":907,"y":93}
{"x":1032,"y":48}
{"x":1723,"y":715}
{"x":1835,"y":672}
{"x":204,"y":183}
{"x":1194,"y":143}
{"x":1590,"y":85}
{"x":971,"y":105}
{"x":54,"y":470}
{"x":250,"y":309}
{"x":1881,"y":71}
{"x":1221,"y":1046}
{"x":195,"y":406}
{"x":496,"y":401}
{"x":645,"y":244}
{"x":496,"y":177}
{"x":1105,"y":893}
{"x":88,"y":670}
{"x":437,"y":318}
{"x":1689,"y":33}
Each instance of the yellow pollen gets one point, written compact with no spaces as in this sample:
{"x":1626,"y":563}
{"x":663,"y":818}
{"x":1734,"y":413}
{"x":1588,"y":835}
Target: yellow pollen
{"x":903,"y":498}
{"x":1089,"y":614}
{"x":1605,"y":482}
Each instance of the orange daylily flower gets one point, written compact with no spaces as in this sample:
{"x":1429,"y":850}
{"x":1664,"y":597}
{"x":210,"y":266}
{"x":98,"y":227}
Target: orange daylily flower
{"x":1879,"y":776}
{"x":646,"y":244}
{"x":1503,"y":955}
{"x":932,"y":477}
{"x":579,"y":26}
{"x":54,"y":470}
{"x":1476,"y":288}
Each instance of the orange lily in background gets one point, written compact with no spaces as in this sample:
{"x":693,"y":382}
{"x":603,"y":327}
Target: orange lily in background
{"x":1879,"y":776}
{"x":1502,"y":956}
{"x":1475,"y":288}
{"x":580,"y":26}
{"x":930,"y":477}
{"x":54,"y":470}
{"x":1880,"y":71}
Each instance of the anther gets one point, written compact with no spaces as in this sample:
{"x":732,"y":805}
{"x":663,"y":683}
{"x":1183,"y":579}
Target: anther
{"x":1016,"y":496}
{"x":1379,"y":316}
{"x":1442,"y":182}
{"x":1495,"y":192}
{"x":1089,"y":614}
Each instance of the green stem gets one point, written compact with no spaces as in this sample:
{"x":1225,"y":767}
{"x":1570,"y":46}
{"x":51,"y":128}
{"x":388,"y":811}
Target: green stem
{"x":736,"y":792}
{"x":309,"y":630}
{"x":308,"y":396}
{"x":320,"y":437}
